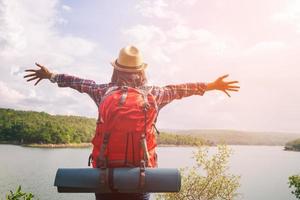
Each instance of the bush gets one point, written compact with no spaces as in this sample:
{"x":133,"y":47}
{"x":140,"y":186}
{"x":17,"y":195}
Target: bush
{"x":294,"y":182}
{"x":19,"y":195}
{"x":209,"y":179}
{"x":293,"y":145}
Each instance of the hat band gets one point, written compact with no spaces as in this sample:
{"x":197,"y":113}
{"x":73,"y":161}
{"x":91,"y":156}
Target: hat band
{"x":127,"y":67}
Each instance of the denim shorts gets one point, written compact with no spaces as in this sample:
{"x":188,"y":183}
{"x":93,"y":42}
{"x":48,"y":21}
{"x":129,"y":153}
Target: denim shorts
{"x":123,"y":196}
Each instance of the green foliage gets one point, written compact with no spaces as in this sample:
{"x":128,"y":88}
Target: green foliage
{"x":293,"y":145}
{"x":208,"y":180}
{"x":294,"y":182}
{"x":25,"y":127}
{"x":19,"y":195}
{"x":39,"y":127}
{"x":173,"y":139}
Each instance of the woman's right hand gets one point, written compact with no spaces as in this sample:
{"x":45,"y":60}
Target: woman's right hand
{"x":224,"y":86}
{"x":42,"y":73}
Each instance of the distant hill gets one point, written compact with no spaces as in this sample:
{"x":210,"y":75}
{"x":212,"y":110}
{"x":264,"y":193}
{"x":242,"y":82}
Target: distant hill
{"x":235,"y":137}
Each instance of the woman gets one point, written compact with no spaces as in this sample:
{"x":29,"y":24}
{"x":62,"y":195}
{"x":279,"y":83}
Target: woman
{"x":129,"y":70}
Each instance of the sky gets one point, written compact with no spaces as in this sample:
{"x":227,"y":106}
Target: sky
{"x":257,"y":42}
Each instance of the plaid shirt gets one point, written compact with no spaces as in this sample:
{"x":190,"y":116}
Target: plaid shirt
{"x":163,"y":95}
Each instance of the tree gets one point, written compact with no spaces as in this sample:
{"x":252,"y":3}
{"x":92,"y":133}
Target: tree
{"x":294,"y":182}
{"x":209,"y":179}
{"x":39,"y":127}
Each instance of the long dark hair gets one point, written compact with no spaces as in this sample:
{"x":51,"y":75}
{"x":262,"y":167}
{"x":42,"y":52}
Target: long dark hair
{"x":131,"y":79}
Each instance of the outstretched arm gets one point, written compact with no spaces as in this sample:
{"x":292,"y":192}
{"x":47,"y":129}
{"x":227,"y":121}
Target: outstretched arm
{"x":168,"y":93}
{"x":165,"y":95}
{"x":95,"y":91}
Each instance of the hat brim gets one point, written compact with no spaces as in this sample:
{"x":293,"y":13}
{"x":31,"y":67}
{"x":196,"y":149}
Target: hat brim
{"x":128,"y":68}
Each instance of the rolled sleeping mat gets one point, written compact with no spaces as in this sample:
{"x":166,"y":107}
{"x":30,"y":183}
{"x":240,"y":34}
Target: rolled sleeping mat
{"x":123,"y":180}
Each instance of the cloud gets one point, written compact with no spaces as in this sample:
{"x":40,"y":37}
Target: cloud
{"x":197,"y":41}
{"x":290,"y":14}
{"x":158,"y":9}
{"x":66,"y":8}
{"x":150,"y":39}
{"x":174,"y":50}
{"x":9,"y":96}
{"x":32,"y":35}
{"x":266,"y":47}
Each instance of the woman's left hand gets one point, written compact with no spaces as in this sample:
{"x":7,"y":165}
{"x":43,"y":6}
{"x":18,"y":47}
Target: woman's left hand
{"x":220,"y":84}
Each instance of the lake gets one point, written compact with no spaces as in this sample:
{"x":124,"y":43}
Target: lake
{"x":264,"y":170}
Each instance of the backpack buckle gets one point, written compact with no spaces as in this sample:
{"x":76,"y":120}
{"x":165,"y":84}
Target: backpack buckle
{"x":146,"y":106}
{"x":123,"y":96}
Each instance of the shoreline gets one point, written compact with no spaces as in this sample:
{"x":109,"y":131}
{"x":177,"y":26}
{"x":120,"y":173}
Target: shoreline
{"x":71,"y":145}
{"x":89,"y":145}
{"x":291,"y":149}
{"x":36,"y":145}
{"x":76,"y":145}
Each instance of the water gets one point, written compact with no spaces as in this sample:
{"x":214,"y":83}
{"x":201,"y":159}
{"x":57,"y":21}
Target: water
{"x":264,"y":170}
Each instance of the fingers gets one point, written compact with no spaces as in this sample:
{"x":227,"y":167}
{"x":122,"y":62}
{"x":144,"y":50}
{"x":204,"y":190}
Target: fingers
{"x":225,"y":76}
{"x":29,"y":75}
{"x":40,"y":66}
{"x":235,"y":90}
{"x":227,"y":93}
{"x":32,"y":78}
{"x":232,"y":82}
{"x":233,"y":86}
{"x":38,"y":81}
{"x":31,"y":70}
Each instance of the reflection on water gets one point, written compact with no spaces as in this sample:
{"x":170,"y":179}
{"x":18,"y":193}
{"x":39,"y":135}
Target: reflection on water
{"x":264,"y":169}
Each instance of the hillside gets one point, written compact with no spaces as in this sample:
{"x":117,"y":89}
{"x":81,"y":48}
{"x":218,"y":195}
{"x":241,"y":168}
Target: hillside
{"x":28,"y":127}
{"x":39,"y":127}
{"x":234,"y":137}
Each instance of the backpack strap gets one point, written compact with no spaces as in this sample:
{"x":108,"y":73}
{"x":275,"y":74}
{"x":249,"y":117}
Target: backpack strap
{"x":144,"y":134}
{"x":90,"y":160}
{"x":111,"y":184}
{"x":142,"y":180}
{"x":146,"y":156}
{"x":102,"y":161}
{"x":146,"y":92}
{"x":157,"y":131}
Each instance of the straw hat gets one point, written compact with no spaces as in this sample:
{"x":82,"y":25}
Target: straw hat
{"x":130,"y":60}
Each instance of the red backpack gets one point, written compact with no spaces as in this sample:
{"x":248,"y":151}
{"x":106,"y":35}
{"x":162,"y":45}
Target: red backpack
{"x":125,"y":133}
